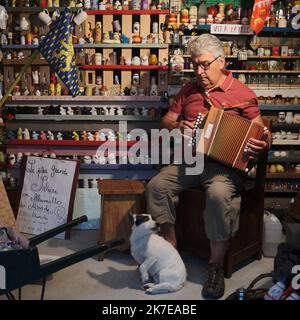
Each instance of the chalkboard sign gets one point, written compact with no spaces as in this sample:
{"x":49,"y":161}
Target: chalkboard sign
{"x":47,"y":193}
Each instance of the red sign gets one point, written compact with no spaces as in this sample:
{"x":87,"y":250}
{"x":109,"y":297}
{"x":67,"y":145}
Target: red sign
{"x":260,"y":12}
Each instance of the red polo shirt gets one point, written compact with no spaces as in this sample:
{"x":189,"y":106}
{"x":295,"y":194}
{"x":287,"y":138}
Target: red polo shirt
{"x":190,"y":101}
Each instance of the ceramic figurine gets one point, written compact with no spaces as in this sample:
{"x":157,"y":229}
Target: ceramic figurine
{"x":87,"y":159}
{"x":52,"y":155}
{"x":144,"y":111}
{"x":111,"y":111}
{"x":93,"y":111}
{"x":102,"y":136}
{"x":84,"y":135}
{"x":35,"y":135}
{"x":95,"y":159}
{"x":97,"y":136}
{"x":38,"y":93}
{"x":62,"y":111}
{"x":136,"y":112}
{"x":26,"y":134}
{"x":43,"y":135}
{"x":50,"y":135}
{"x":35,"y":77}
{"x":40,"y":111}
{"x":75,"y":136}
{"x":90,"y":136}
{"x":11,"y":159}
{"x":26,"y":91}
{"x":70,"y":111}
{"x":58,"y":89}
{"x":51,"y":89}
{"x":133,"y":91}
{"x":59,"y":136}
{"x":106,"y":112}
{"x":120,"y":111}
{"x":19,"y":157}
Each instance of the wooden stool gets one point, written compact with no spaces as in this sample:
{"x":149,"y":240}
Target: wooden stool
{"x":119,"y":198}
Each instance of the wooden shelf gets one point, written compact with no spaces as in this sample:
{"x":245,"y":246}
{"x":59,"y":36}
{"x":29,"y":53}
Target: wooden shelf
{"x":291,"y":126}
{"x":84,"y":117}
{"x":40,"y":62}
{"x":124,"y":67}
{"x":283,"y":191}
{"x":288,"y":159}
{"x":265,"y":29}
{"x":286,"y":142}
{"x":131,"y":12}
{"x":84,"y":98}
{"x":284,"y":175}
{"x":279,"y":107}
{"x":69,"y":143}
{"x":249,"y":57}
{"x":35,"y":9}
{"x":265,"y":71}
{"x":122,"y":45}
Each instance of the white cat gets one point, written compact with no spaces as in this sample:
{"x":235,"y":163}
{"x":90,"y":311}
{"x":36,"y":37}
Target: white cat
{"x":161,"y":267}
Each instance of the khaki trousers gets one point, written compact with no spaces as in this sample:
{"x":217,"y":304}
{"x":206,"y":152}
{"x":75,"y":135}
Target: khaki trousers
{"x":222,"y":186}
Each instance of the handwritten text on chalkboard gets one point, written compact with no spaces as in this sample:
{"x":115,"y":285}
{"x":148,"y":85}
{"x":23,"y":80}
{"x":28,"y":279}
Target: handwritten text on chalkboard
{"x":46,"y":194}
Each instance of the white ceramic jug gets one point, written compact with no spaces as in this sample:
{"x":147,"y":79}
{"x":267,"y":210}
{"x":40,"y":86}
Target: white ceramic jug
{"x":3,"y":18}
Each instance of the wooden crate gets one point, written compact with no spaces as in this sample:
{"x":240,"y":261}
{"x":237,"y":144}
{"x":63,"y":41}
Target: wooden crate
{"x":119,"y":198}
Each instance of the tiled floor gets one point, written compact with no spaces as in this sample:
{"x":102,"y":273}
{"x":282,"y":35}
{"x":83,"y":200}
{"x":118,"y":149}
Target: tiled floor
{"x":117,"y":277}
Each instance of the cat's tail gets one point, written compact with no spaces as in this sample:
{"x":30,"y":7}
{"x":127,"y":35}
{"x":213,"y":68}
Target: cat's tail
{"x":163,"y":287}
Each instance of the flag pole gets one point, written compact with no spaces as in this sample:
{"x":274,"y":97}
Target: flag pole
{"x":19,"y":77}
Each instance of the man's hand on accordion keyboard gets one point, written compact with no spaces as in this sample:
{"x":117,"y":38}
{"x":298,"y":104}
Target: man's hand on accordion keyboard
{"x":185,"y":124}
{"x":256,"y":146}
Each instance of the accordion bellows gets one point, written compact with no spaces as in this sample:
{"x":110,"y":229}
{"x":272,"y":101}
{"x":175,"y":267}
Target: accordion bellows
{"x":225,"y":138}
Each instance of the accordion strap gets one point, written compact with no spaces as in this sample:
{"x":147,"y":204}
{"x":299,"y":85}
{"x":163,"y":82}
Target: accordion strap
{"x":234,"y":106}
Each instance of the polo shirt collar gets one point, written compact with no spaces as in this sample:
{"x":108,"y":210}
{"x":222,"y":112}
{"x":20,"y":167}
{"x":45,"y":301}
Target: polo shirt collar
{"x":225,"y":85}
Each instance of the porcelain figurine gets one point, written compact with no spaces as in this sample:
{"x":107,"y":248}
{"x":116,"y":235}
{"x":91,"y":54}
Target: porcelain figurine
{"x":35,"y":135}
{"x":58,"y":89}
{"x":11,"y":159}
{"x":40,"y":111}
{"x":136,"y":112}
{"x":75,"y":136}
{"x":111,"y":111}
{"x":90,"y":136}
{"x":52,"y":155}
{"x":62,"y":111}
{"x":70,"y":111}
{"x":84,"y":136}
{"x":144,"y":111}
{"x":59,"y":136}
{"x":50,"y":135}
{"x":120,"y":111}
{"x":87,"y":159}
{"x":97,"y":136}
{"x":95,"y":159}
{"x":102,"y":136}
{"x":93,"y":111}
{"x":19,"y":157}
{"x":43,"y":135}
{"x":26,"y":134}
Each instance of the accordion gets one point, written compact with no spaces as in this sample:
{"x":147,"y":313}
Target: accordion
{"x":224,"y":138}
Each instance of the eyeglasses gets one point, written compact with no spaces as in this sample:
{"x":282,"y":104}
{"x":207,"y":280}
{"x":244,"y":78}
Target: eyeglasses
{"x":204,"y":65}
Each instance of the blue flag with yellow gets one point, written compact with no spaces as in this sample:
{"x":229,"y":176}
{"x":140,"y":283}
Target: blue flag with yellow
{"x":57,"y":48}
